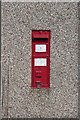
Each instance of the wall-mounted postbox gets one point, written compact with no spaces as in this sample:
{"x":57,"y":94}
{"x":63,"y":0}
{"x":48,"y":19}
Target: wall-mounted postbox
{"x":40,"y":59}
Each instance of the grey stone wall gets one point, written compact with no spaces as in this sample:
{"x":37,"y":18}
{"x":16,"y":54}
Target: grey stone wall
{"x":18,"y":21}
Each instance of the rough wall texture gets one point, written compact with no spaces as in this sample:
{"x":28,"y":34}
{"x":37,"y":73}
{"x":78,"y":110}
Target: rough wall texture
{"x":18,"y":21}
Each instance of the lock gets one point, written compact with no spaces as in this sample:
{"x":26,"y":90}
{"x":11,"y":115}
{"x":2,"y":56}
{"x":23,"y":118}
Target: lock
{"x":38,"y":84}
{"x":40,"y":59}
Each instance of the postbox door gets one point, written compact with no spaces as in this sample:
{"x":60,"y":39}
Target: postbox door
{"x":41,"y":72}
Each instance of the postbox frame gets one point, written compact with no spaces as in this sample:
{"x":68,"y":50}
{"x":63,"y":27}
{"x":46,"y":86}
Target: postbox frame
{"x":40,"y":55}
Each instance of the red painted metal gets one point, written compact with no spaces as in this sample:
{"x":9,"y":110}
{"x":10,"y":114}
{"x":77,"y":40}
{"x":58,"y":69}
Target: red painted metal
{"x":41,"y":74}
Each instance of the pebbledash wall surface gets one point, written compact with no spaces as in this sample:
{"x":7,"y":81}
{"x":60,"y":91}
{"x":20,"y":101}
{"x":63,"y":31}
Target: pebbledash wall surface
{"x":18,"y":20}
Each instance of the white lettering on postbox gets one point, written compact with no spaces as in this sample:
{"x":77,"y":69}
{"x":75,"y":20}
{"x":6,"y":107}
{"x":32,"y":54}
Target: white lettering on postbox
{"x":40,"y":48}
{"x":40,"y":62}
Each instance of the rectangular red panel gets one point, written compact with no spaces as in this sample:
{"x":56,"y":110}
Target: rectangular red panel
{"x":40,"y":59}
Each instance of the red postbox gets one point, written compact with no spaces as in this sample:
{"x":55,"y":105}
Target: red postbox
{"x":40,"y":59}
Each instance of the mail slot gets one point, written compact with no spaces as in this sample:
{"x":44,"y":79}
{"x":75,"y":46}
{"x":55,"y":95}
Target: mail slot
{"x":40,"y":59}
